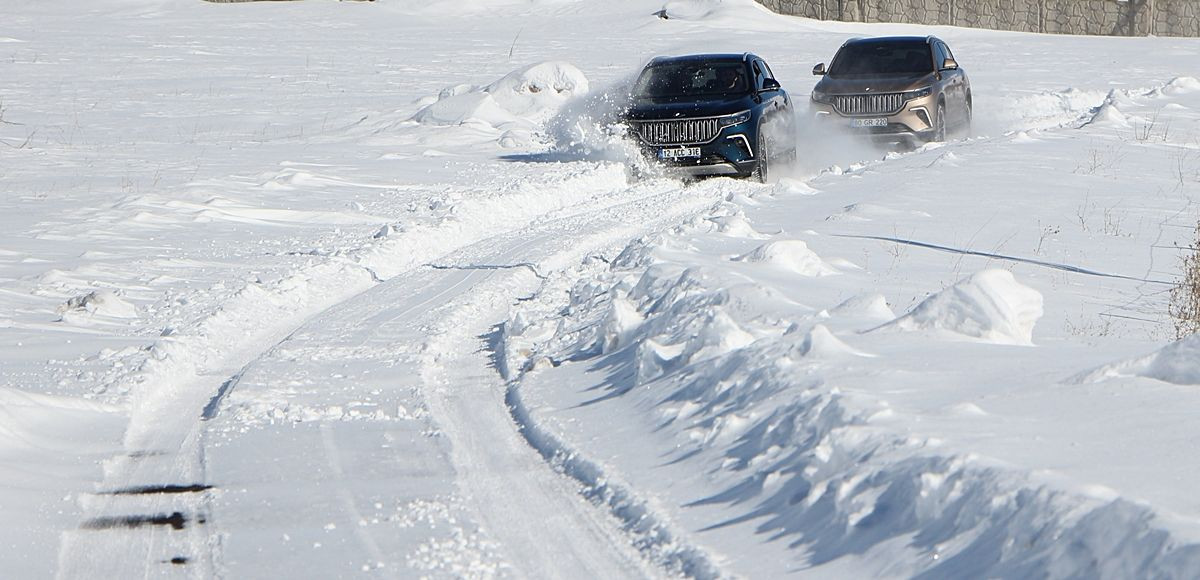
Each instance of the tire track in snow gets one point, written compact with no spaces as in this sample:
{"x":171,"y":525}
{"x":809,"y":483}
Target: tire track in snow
{"x":476,"y":457}
{"x":190,"y":368}
{"x":542,"y":525}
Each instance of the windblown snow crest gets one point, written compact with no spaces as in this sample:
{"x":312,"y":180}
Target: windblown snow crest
{"x":516,"y":105}
{"x":749,"y":403}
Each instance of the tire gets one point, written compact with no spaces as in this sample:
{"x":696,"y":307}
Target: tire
{"x":762,"y":169}
{"x":970,"y":115}
{"x":939,"y":124}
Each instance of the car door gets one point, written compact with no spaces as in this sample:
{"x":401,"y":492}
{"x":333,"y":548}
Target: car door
{"x":955,"y":83}
{"x":775,"y":102}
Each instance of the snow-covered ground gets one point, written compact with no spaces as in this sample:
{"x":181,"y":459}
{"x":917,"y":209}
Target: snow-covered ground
{"x":304,"y":289}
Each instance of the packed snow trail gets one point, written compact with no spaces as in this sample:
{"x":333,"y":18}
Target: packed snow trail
{"x":420,"y":343}
{"x":516,"y":503}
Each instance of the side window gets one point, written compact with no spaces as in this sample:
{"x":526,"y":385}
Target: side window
{"x":758,"y":76}
{"x":767,"y":70}
{"x":939,"y":55}
{"x":946,"y":49}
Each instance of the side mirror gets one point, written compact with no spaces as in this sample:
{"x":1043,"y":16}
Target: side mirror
{"x":771,"y":85}
{"x":819,"y":70}
{"x":950,"y":64}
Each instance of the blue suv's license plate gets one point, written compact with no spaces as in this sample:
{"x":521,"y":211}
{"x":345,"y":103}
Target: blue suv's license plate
{"x":679,"y":153}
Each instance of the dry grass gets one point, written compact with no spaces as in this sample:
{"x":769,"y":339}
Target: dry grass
{"x":1185,"y":296}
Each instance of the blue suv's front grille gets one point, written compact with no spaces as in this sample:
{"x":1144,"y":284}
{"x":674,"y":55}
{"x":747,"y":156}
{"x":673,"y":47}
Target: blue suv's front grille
{"x":679,"y":131}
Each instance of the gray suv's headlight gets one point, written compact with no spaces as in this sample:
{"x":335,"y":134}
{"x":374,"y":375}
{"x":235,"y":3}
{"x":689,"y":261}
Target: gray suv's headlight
{"x":735,"y":119}
{"x":820,"y":97}
{"x":922,"y":92}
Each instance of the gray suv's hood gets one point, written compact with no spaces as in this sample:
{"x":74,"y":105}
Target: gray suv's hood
{"x":879,"y":84}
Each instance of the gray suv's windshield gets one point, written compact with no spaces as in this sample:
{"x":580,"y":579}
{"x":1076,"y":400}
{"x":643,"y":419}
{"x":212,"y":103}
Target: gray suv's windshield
{"x":691,"y":79}
{"x":882,"y":58}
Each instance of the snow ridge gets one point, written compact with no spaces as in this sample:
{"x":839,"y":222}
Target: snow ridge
{"x":787,"y":453}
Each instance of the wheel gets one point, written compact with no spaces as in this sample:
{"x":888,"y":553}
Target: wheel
{"x":939,"y":123}
{"x":762,"y":170}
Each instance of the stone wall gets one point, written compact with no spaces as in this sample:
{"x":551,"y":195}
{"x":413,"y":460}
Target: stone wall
{"x":1099,"y":17}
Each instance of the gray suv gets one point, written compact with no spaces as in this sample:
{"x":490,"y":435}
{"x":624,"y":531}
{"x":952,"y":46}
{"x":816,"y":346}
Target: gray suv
{"x":895,"y":88}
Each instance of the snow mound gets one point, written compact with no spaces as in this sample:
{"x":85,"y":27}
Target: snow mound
{"x":793,"y":186}
{"x":619,"y":324}
{"x":1050,"y":109}
{"x":522,"y":99}
{"x":821,"y":343}
{"x":1182,"y":86}
{"x":792,"y":255}
{"x":1177,"y":363}
{"x":990,"y":306}
{"x":1108,"y":114}
{"x":868,"y":306}
{"x":736,"y":226}
{"x":98,"y":302}
{"x":1024,"y":137}
{"x":707,"y":9}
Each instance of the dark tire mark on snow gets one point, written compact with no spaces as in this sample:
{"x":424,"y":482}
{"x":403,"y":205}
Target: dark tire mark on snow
{"x":177,"y":560}
{"x":176,"y":520}
{"x":532,"y":267}
{"x":214,"y":404}
{"x":160,"y":489}
{"x":144,"y":454}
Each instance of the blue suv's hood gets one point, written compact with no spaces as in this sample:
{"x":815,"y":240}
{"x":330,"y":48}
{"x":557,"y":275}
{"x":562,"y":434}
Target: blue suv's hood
{"x":641,"y":109}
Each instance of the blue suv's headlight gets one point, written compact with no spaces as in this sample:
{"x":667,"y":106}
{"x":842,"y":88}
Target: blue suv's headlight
{"x":735,"y":119}
{"x":922,"y":92}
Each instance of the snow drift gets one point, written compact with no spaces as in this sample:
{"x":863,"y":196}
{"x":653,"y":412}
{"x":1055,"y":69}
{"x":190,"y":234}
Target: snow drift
{"x":990,"y":306}
{"x":523,"y":99}
{"x":755,"y":423}
{"x":1178,"y":363}
{"x":791,"y":255}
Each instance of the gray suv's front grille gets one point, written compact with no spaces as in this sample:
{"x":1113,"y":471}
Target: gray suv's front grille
{"x":679,"y":131}
{"x":881,"y":104}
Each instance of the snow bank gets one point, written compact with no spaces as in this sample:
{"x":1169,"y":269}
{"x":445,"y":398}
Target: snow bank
{"x":1049,"y":109}
{"x":736,"y":12}
{"x":523,"y":99}
{"x":761,"y":432}
{"x":990,"y":306}
{"x":1178,"y":363}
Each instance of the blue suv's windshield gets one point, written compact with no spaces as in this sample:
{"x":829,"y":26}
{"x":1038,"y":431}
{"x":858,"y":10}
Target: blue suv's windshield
{"x":691,"y":79}
{"x":882,"y":58}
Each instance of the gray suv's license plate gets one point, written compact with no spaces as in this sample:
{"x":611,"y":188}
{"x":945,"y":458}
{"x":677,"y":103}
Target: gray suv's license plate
{"x":679,"y":153}
{"x":873,"y":122}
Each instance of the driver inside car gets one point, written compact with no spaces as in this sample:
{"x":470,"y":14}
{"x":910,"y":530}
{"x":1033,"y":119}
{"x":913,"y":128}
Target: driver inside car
{"x":729,"y":79}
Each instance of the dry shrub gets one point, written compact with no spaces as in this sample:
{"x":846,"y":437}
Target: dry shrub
{"x":1185,"y":296}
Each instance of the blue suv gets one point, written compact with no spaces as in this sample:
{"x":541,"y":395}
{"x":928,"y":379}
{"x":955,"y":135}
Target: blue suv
{"x":712,"y":114}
